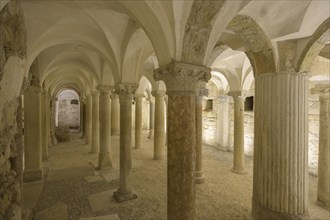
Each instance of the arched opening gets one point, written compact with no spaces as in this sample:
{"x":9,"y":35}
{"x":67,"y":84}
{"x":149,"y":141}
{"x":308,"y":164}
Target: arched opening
{"x":67,"y":114}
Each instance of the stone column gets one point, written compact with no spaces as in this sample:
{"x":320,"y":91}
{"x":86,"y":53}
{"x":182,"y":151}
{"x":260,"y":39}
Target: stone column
{"x":52,"y":121}
{"x":159,"y":139}
{"x":105,"y":128}
{"x":44,"y":134}
{"x":239,"y":98}
{"x":323,"y":180}
{"x":181,"y":80}
{"x":83,"y":117}
{"x":89,"y":112}
{"x":32,"y":134}
{"x":151,"y":119}
{"x":126,"y":94}
{"x":95,"y":124}
{"x":115,"y":114}
{"x":280,"y":170}
{"x":48,"y":120}
{"x":223,"y":122}
{"x":199,"y":134}
{"x":138,"y":121}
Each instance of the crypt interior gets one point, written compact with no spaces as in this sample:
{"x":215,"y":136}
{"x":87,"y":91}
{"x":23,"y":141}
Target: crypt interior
{"x":164,"y":109}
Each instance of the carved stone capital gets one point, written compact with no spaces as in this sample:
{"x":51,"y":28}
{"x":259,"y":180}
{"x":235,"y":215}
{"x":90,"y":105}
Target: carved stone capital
{"x":105,"y":90}
{"x":322,"y":90}
{"x":125,"y":91}
{"x":238,"y":94}
{"x":200,"y":92}
{"x":95,"y":93}
{"x":182,"y":78}
{"x":222,"y":99}
{"x":158,"y":92}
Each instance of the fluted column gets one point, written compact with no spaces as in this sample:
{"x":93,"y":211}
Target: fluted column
{"x":89,"y":113}
{"x":223,"y":122}
{"x":200,"y":92}
{"x":105,"y":128}
{"x":239,"y":98}
{"x":181,"y":80}
{"x":138,"y":121}
{"x":323,"y":177}
{"x":280,"y":174}
{"x":44,"y":134}
{"x":159,"y":133}
{"x":115,"y":114}
{"x":32,"y":134}
{"x":151,"y":118}
{"x":126,"y":94}
{"x":95,"y":124}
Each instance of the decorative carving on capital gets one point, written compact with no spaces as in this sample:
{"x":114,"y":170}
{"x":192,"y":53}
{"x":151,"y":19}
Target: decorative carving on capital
{"x":125,"y":91}
{"x":200,"y":92}
{"x":104,"y":90}
{"x":322,"y":90}
{"x":182,"y":77}
{"x":158,"y":93}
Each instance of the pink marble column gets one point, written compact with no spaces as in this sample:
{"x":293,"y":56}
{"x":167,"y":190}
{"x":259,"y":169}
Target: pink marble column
{"x":181,"y":80}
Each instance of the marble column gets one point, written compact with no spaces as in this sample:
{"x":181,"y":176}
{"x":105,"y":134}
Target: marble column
{"x":223,"y":122}
{"x":126,"y":94}
{"x":239,"y":98}
{"x":115,"y":114}
{"x":159,"y":133}
{"x":32,"y":134}
{"x":44,"y":134}
{"x":181,"y":80}
{"x":105,"y":128}
{"x":138,"y":121}
{"x":95,"y":124}
{"x":200,"y":92}
{"x":151,"y":119}
{"x":280,"y":169}
{"x":323,"y":177}
{"x":89,"y":113}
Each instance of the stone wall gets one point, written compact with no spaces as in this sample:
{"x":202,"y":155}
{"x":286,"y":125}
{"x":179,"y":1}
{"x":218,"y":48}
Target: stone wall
{"x":69,"y":113}
{"x":12,"y":61}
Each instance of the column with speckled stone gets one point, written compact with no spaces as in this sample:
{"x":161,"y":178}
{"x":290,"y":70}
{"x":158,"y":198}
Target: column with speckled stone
{"x":181,"y":80}
{"x":126,"y":93}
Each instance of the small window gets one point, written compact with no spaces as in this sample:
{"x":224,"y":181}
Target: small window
{"x":209,"y":105}
{"x":74,"y":102}
{"x":249,"y":104}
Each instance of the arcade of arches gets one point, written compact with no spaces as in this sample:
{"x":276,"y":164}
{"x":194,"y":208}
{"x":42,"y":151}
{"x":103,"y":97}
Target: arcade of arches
{"x":164,"y":109}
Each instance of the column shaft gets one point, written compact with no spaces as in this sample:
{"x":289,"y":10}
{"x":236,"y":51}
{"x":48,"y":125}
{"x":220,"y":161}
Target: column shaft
{"x":89,"y":113}
{"x":151,"y":120}
{"x":32,"y":135}
{"x":138,"y":122}
{"x":223,"y":122}
{"x":159,"y":139}
{"x":44,"y":134}
{"x":199,"y":136}
{"x":126,"y":93}
{"x":95,"y":124}
{"x":280,"y":174}
{"x":52,"y":122}
{"x":239,"y":135}
{"x":105,"y":131}
{"x":323,"y":192}
{"x":115,"y":114}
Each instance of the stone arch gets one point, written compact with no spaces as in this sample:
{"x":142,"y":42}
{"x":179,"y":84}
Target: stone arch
{"x":319,"y":39}
{"x":198,"y":30}
{"x":258,"y":46}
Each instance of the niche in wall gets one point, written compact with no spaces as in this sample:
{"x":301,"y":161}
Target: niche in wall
{"x":248,"y":105}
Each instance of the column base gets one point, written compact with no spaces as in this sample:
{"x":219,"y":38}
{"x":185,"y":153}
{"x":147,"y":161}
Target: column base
{"x":240,"y":172}
{"x":261,"y":213}
{"x":105,"y":162}
{"x":199,"y":177}
{"x":124,"y":196}
{"x":32,"y":175}
{"x":323,"y":205}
